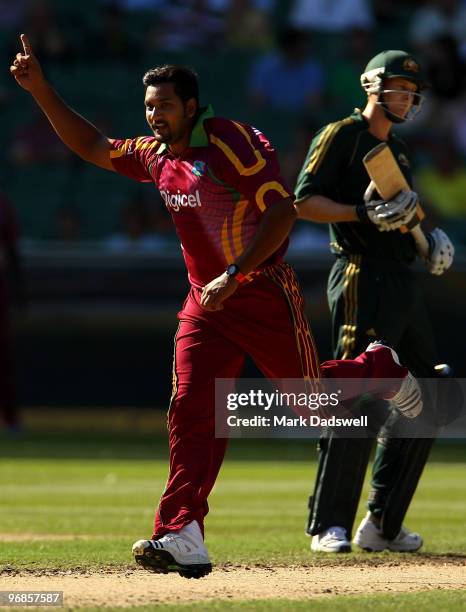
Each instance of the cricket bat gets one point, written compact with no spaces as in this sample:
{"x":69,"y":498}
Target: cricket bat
{"x":384,"y":170}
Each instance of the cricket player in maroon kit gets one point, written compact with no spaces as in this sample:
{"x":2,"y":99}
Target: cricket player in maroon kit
{"x":221,"y":182}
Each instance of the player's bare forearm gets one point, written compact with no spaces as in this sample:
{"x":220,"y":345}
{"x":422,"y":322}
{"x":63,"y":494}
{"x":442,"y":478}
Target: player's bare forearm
{"x":76,"y":132}
{"x":320,"y":209}
{"x":273,"y":229}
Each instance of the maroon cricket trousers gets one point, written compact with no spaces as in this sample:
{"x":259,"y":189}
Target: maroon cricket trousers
{"x":264,"y":319}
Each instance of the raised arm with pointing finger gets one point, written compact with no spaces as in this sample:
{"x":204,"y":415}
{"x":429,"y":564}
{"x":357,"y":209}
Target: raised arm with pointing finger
{"x":76,"y":132}
{"x":173,"y":120}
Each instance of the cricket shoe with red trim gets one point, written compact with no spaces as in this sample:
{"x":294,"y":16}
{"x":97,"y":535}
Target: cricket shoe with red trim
{"x":370,"y":538}
{"x":178,"y":551}
{"x":408,"y":399}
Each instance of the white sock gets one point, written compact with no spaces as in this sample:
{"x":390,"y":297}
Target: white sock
{"x":192,"y":531}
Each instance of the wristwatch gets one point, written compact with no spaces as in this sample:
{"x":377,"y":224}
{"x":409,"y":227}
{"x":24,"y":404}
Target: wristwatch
{"x":234,"y":271}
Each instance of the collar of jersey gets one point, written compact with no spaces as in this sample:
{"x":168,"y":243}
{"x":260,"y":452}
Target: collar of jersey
{"x":198,"y":135}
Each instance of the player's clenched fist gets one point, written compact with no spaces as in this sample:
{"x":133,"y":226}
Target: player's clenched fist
{"x":25,"y":68}
{"x":217,"y":291}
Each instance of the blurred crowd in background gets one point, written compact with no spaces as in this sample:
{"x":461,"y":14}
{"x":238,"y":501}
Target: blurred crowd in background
{"x":286,"y":66}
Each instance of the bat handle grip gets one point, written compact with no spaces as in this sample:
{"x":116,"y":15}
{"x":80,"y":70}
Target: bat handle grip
{"x":421,"y":241}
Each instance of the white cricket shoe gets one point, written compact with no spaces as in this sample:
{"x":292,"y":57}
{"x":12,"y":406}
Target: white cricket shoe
{"x":370,"y":538}
{"x":178,"y":551}
{"x":332,"y":540}
{"x":408,"y":399}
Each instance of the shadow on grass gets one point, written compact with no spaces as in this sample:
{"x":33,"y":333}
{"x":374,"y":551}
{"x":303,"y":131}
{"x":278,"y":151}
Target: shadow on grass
{"x":149,"y":446}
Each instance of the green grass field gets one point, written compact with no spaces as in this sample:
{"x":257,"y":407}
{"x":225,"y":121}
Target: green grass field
{"x":427,"y":602}
{"x":103,"y":488}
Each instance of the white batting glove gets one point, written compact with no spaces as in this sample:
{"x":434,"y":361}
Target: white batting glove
{"x":388,"y":215}
{"x":441,"y":252}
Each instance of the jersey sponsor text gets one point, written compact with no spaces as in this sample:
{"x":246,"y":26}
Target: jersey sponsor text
{"x":179,"y":200}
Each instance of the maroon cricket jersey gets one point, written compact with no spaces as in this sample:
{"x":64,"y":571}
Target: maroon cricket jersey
{"x":216,"y":191}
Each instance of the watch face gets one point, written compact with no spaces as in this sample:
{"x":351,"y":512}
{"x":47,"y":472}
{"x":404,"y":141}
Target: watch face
{"x":232,"y":270}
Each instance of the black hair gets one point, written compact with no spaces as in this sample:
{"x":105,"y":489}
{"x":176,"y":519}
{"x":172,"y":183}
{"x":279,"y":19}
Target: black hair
{"x":184,"y":80}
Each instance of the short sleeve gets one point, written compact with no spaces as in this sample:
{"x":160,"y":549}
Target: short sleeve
{"x":134,"y":157}
{"x":323,"y":161}
{"x":245,"y":160}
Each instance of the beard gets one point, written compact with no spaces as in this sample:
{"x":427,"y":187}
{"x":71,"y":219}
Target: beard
{"x":163,"y":134}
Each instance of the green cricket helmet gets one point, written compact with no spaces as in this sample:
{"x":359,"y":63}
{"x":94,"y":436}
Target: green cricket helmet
{"x":391,"y":64}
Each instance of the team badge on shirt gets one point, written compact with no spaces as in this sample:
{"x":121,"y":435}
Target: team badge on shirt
{"x":198,"y":168}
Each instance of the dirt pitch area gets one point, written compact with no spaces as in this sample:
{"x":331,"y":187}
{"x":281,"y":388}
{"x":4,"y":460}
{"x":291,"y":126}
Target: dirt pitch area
{"x":134,"y":586}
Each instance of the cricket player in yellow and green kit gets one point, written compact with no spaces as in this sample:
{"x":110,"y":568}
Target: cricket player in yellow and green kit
{"x":372,"y":293}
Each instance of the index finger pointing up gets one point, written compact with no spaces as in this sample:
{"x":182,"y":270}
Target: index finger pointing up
{"x":26,"y":44}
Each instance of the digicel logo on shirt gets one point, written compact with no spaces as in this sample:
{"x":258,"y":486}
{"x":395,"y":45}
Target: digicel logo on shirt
{"x":179,"y":200}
